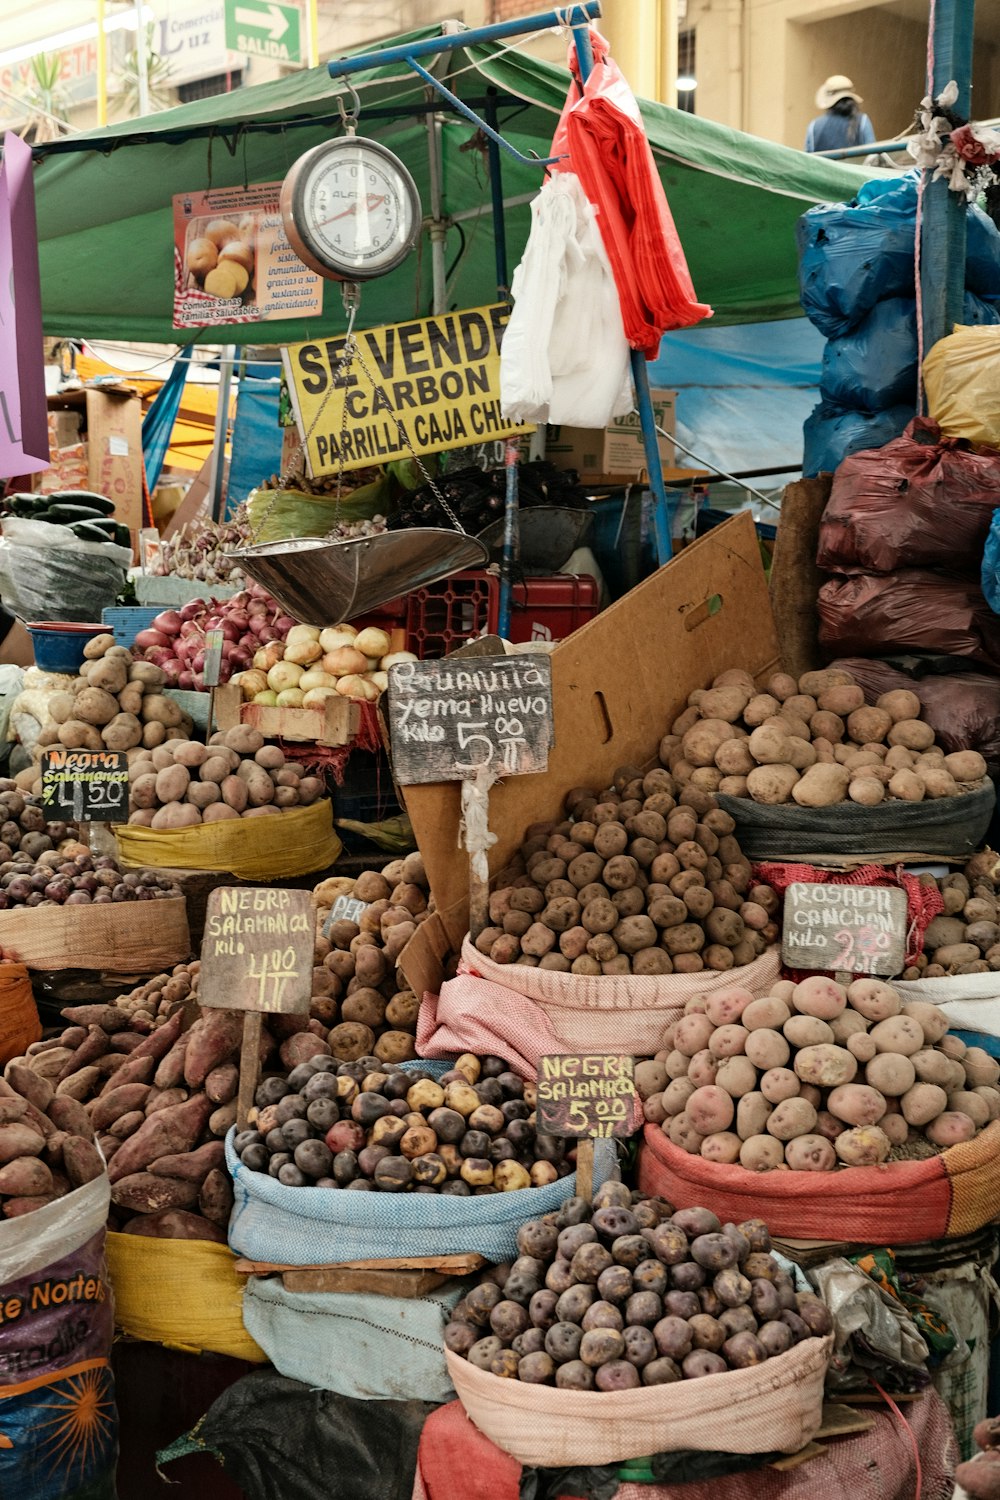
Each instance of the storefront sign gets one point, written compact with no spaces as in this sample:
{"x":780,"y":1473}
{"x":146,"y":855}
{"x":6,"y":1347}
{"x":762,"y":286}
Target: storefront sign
{"x":453,"y":719}
{"x":233,"y":262}
{"x":586,"y":1096}
{"x":263,"y":28}
{"x":192,"y":39}
{"x":424,"y":387}
{"x":87,"y":786}
{"x":851,"y":929}
{"x":257,"y":952}
{"x":24,"y":431}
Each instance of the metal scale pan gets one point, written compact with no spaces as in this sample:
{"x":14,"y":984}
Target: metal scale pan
{"x":323,"y":583}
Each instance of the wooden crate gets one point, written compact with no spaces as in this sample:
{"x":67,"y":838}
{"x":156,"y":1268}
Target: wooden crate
{"x":336,"y":723}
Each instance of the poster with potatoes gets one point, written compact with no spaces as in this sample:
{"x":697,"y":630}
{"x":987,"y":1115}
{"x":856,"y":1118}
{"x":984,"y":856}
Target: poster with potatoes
{"x":233,"y":262}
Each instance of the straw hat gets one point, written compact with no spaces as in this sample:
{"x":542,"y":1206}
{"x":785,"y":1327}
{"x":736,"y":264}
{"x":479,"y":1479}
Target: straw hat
{"x":837,"y":87}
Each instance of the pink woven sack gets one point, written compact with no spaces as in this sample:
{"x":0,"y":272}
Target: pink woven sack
{"x":776,"y":1406}
{"x":613,"y":1012}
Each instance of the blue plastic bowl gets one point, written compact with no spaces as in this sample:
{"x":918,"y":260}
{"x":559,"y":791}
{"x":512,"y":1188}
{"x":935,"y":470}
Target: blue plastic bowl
{"x":59,"y":647}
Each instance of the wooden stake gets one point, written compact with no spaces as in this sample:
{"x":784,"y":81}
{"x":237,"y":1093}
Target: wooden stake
{"x":475,"y":815}
{"x":585,"y":1169}
{"x":249,"y":1066}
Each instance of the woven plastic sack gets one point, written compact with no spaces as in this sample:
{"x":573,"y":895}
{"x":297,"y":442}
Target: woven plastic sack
{"x":772,"y":1407}
{"x":58,"y":1421}
{"x":922,"y":501}
{"x":316,"y":1226}
{"x":360,"y":1345}
{"x":912,"y":611}
{"x":951,"y":827}
{"x":902,"y":1203}
{"x":275,"y":515}
{"x":962,"y":707}
{"x":832,"y":433}
{"x":20,"y":1024}
{"x":48,"y":573}
{"x":962,"y":383}
{"x":923,"y":902}
{"x":298,"y":842}
{"x":184,"y":1294}
{"x":970,"y":1001}
{"x":612,"y":1012}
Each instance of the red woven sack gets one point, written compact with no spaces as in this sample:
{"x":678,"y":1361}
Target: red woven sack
{"x":922,"y":501}
{"x":602,"y":132}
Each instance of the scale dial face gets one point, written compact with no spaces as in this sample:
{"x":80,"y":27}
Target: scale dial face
{"x":351,"y":209}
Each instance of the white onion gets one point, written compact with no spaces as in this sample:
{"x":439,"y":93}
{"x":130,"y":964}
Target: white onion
{"x":395,"y":657}
{"x":316,"y":697}
{"x":373,"y":642}
{"x":268,"y":698}
{"x":380,"y":679}
{"x":290,"y":698}
{"x":299,"y":633}
{"x":284,"y":674}
{"x":356,"y":686}
{"x":268,"y":656}
{"x":251,"y":683}
{"x":315,"y":678}
{"x":303,"y":652}
{"x":337,"y":635}
{"x":345,"y":660}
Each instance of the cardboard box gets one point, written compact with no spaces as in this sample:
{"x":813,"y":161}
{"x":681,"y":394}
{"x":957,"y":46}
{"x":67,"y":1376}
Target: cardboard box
{"x":613,"y":454}
{"x":112,"y":421}
{"x":617,"y":684}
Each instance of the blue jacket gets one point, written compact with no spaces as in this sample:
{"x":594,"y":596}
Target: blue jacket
{"x":833,"y":132}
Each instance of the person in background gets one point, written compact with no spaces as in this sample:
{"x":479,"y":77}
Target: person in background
{"x":842,"y":123}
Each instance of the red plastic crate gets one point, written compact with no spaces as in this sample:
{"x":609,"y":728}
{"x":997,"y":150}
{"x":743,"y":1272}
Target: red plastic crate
{"x":444,"y":615}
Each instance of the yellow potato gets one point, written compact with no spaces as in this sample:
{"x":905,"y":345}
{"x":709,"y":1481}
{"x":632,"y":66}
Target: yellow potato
{"x":221,"y":231}
{"x":222,"y":281}
{"x":202,"y":257}
{"x":239,"y":251}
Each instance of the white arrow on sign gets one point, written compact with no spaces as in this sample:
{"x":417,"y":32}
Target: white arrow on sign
{"x":275,"y":25}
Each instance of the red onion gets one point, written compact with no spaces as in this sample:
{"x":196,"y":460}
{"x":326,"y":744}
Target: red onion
{"x":239,"y":618}
{"x":192,"y":610}
{"x":172,"y":672}
{"x":228,"y":647}
{"x":190,"y":628}
{"x":283,"y":624}
{"x":158,"y":655}
{"x":229,"y":630}
{"x":147,"y":638}
{"x":168,"y":623}
{"x":186,"y":680}
{"x":241,"y":658}
{"x":249,"y":641}
{"x":198,"y":662}
{"x":266,"y":634}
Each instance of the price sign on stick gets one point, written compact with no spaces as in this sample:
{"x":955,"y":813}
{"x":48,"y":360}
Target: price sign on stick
{"x":85,"y":786}
{"x":257,"y":956}
{"x":345,"y":909}
{"x":586,"y":1096}
{"x":472,"y":719}
{"x":849,"y":929}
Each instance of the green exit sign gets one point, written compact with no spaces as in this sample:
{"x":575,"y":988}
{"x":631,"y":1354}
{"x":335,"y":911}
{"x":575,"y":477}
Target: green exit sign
{"x":262,"y":28}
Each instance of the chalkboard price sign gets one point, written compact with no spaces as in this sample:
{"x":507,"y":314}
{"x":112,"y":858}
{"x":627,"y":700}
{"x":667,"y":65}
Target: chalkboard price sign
{"x":462,"y":717}
{"x":345,"y":909}
{"x":850,"y":929}
{"x":87,"y":786}
{"x":586,"y":1095}
{"x":257,"y":952}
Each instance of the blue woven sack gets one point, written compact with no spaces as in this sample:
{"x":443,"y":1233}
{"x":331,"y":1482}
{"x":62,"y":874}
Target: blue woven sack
{"x":832,"y":433}
{"x":306,"y":1226}
{"x":356,"y":1344}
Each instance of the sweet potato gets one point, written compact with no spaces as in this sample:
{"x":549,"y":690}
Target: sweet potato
{"x":25,"y":1177}
{"x":82,"y":1160}
{"x":94,"y":1045}
{"x":191,"y":1166}
{"x":167,"y":1132}
{"x":170,"y":1071}
{"x":17,"y":1139}
{"x":15,"y":1208}
{"x":145,"y":1194}
{"x":216,"y":1197}
{"x":175,"y":1224}
{"x":211,"y":1041}
{"x":222,"y":1083}
{"x":82,"y":1084}
{"x":26,"y":1082}
{"x":70,"y":1115}
{"x":116,"y":1102}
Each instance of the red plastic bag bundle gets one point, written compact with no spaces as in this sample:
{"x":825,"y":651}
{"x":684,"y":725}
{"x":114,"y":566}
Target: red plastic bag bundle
{"x":922,"y":501}
{"x":910,"y":611}
{"x":962,"y":708}
{"x":601,"y":129}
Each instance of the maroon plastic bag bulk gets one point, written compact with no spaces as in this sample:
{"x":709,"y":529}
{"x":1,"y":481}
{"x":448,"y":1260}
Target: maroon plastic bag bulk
{"x":962,"y":708}
{"x":912,"y":611}
{"x":921,"y":501}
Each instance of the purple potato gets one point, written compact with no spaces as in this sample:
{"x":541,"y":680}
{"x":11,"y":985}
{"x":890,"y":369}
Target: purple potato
{"x":651,"y":1211}
{"x":520,"y":1286}
{"x":707,"y":1333}
{"x":764,"y":1301}
{"x":617,"y":1375}
{"x":688,"y":1276}
{"x":696,"y":1222}
{"x":602,"y":1315}
{"x":574,"y":1375}
{"x":481,"y":1301}
{"x":785,"y":1287}
{"x":714,"y":1252}
{"x":562,"y":1341}
{"x":742,"y":1351}
{"x":799,"y":1330}
{"x":630,"y":1250}
{"x":732,"y":1288}
{"x":760,"y":1267}
{"x":661,"y":1372}
{"x":505,"y":1364}
{"x":537,"y":1369}
{"x":673,"y":1337}
{"x":542,"y":1308}
{"x":640,"y":1346}
{"x":650,"y":1276}
{"x":670,"y":1244}
{"x":738,"y":1320}
{"x":613,"y":1195}
{"x":703,"y":1362}
{"x":599,"y":1345}
{"x":681,"y":1304}
{"x":574,"y":1236}
{"x":528,"y":1265}
{"x":643,"y":1309}
{"x":615,"y":1284}
{"x":589,"y":1261}
{"x":537,"y":1239}
{"x":572,"y":1211}
{"x":484,"y":1352}
{"x":757,"y":1232}
{"x":508,"y":1319}
{"x":775,"y":1338}
{"x":559,"y":1277}
{"x":572,"y":1305}
{"x":710,"y":1302}
{"x":739,"y":1239}
{"x":460,"y":1337}
{"x":612,"y":1223}
{"x":814,"y":1313}
{"x":531,"y":1341}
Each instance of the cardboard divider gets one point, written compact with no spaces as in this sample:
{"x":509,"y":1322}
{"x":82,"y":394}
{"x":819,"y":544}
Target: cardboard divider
{"x":617,"y":684}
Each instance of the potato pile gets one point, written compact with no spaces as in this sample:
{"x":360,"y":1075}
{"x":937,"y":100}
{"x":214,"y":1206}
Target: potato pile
{"x":814,"y":742}
{"x":181,"y":782}
{"x":632,"y":1294}
{"x":816,"y":1076}
{"x":965,"y":938}
{"x":72,"y":876}
{"x":115,"y":704}
{"x":24,"y":829}
{"x":46,"y":1143}
{"x":356,"y":980}
{"x":378,"y":1127}
{"x":644,"y":877}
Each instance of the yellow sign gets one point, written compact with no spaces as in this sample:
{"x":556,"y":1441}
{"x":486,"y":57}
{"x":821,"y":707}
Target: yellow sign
{"x":420,"y":387}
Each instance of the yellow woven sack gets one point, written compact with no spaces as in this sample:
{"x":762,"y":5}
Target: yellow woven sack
{"x":277,"y":514}
{"x":298,"y":842}
{"x":181,"y":1293}
{"x":962,"y":381}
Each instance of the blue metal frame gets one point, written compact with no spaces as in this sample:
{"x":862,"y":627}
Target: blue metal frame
{"x":944,"y":219}
{"x":568,"y":15}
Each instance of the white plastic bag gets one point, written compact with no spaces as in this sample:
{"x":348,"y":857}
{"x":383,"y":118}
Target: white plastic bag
{"x":47,"y":572}
{"x":564,"y":357}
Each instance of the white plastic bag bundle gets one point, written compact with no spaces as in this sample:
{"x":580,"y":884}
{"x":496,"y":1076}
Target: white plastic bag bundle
{"x":564,"y":357}
{"x":47,"y":572}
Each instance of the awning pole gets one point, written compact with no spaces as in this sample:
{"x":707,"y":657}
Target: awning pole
{"x":437,"y":228}
{"x":453,"y":41}
{"x":944,"y":216}
{"x":218,"y":470}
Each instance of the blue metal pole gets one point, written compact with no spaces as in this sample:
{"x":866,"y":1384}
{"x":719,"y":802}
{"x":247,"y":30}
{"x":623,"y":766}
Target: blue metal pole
{"x":943,"y":230}
{"x":571,"y":15}
{"x":640,"y":374}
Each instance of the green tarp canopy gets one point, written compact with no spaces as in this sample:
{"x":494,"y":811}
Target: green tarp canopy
{"x":105,"y":216}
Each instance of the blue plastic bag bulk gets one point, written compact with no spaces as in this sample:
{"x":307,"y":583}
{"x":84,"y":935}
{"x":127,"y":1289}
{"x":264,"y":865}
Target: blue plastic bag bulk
{"x":990,"y":573}
{"x":832,"y":433}
{"x":875,"y":365}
